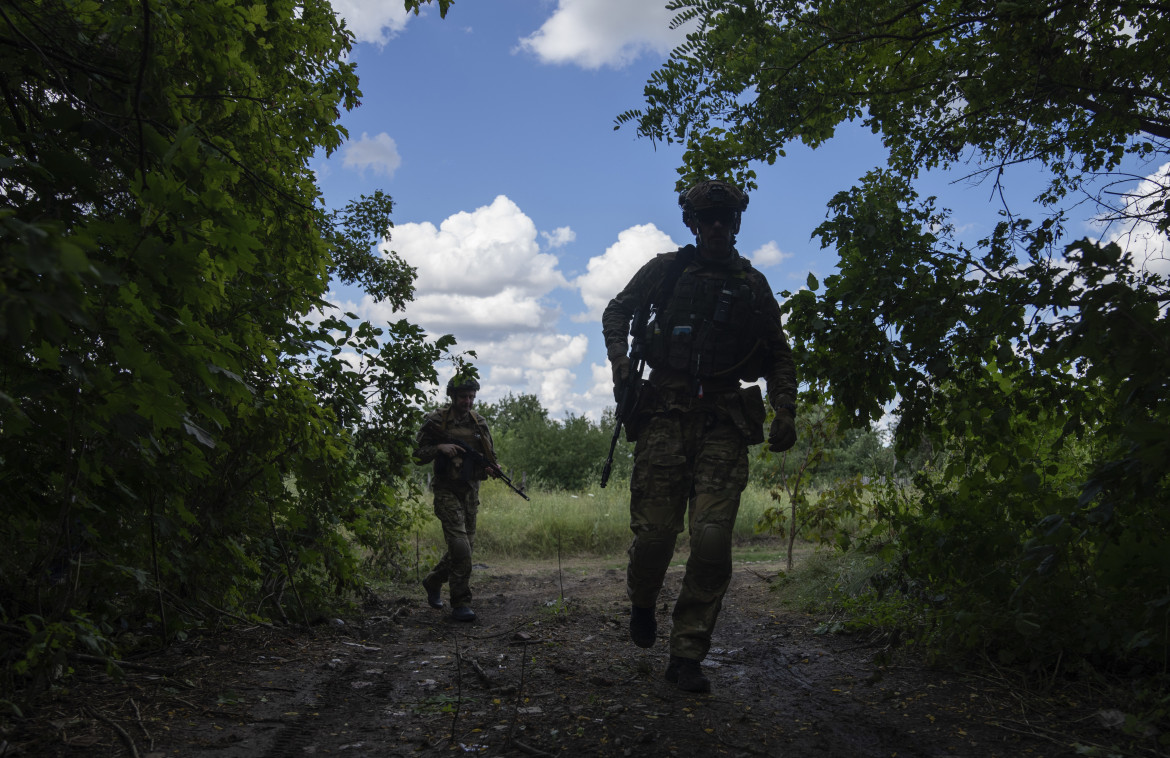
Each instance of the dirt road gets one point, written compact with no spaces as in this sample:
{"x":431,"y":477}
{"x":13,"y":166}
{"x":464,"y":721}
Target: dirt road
{"x":547,"y":669}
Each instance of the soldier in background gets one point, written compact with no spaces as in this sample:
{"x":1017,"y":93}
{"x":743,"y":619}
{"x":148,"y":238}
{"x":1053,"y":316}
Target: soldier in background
{"x":709,"y":323}
{"x":456,"y":487}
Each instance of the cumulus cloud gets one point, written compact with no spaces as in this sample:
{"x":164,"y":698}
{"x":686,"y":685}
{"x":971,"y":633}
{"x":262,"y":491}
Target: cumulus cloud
{"x":769,"y":254}
{"x":378,"y":153}
{"x":600,"y":392}
{"x":597,"y":33}
{"x":468,"y":316}
{"x":373,"y":21}
{"x":556,"y":391}
{"x":607,"y":273}
{"x":532,"y":354}
{"x":558,"y":237}
{"x":482,"y":253}
{"x":480,"y":275}
{"x":538,"y":364}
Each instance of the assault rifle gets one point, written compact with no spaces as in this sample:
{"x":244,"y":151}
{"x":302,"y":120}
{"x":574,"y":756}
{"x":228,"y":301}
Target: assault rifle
{"x":475,"y":455}
{"x":628,"y":397}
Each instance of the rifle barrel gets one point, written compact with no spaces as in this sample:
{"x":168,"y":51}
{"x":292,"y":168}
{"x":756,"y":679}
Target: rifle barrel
{"x":479,"y":457}
{"x":605,"y":471}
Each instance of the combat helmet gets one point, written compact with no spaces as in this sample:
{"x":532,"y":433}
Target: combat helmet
{"x":712,"y":193}
{"x":459,"y":383}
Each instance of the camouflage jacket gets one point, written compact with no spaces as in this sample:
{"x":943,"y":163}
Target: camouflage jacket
{"x":471,"y":430}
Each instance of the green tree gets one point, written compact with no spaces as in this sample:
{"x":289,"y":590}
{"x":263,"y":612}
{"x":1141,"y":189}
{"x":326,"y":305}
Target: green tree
{"x":184,"y":423}
{"x":558,"y":454}
{"x":565,"y":454}
{"x":513,"y":411}
{"x":1068,"y":84}
{"x":1032,"y":365}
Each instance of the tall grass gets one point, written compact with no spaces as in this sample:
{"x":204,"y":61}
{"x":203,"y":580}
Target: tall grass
{"x":595,"y":522}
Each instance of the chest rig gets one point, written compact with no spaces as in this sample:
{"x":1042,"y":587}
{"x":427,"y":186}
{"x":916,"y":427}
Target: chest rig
{"x":706,"y":326}
{"x":473,"y":434}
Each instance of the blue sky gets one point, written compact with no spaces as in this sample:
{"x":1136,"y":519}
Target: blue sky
{"x":523,"y":209}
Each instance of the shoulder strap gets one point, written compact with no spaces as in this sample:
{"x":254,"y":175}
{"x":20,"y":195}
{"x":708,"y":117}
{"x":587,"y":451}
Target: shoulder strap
{"x":481,"y":424}
{"x":662,"y":293}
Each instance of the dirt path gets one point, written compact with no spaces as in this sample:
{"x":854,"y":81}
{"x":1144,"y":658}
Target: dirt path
{"x":539,"y":675}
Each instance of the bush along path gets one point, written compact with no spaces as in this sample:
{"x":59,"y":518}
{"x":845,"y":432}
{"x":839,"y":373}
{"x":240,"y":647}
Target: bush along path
{"x":548,"y":669}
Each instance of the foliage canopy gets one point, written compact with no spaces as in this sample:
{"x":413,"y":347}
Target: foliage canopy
{"x":1067,"y":84}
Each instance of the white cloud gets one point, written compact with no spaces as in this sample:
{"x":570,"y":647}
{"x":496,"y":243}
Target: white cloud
{"x":378,"y":153}
{"x":609,"y":272}
{"x":558,"y":237}
{"x":518,"y":363}
{"x":538,"y":364}
{"x":597,"y":33}
{"x":600,"y":392}
{"x":549,"y":352}
{"x":486,"y":253}
{"x":372,"y":20}
{"x":556,"y":392}
{"x":529,"y":355}
{"x":769,"y":254}
{"x":473,"y":318}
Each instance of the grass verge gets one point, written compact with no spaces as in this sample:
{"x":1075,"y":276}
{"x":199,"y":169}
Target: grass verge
{"x":591,"y":523}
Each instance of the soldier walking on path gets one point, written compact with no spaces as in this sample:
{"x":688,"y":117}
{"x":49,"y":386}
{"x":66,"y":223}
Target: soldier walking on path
{"x":457,"y":474}
{"x":705,"y":322}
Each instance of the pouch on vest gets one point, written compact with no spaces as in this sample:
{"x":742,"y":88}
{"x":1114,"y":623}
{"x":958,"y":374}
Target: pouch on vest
{"x":678,"y":355}
{"x":449,"y":469}
{"x":750,"y":419}
{"x":460,"y":468}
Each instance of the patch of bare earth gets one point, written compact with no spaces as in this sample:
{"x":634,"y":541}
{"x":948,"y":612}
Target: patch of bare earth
{"x":540,"y":675}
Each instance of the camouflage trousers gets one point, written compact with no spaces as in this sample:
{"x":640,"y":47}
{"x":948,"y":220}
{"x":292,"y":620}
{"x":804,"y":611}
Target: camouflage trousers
{"x":456,"y":509}
{"x":695,"y":460}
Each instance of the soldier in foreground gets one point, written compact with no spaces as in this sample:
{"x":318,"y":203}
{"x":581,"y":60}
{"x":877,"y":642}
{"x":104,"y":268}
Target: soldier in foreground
{"x":457,"y":439}
{"x":705,"y":322}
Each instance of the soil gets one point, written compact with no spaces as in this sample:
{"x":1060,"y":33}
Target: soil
{"x":548,"y":669}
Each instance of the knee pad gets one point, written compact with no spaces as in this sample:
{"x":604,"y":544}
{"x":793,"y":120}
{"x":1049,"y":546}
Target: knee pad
{"x":460,"y":550}
{"x":655,"y":547}
{"x":711,"y":544}
{"x":710,"y":564}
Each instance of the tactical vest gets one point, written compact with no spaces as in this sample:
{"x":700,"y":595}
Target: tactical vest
{"x":707,"y":327}
{"x":465,"y":467}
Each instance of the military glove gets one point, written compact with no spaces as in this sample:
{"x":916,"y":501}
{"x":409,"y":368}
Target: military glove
{"x":782,"y":433}
{"x":621,"y":374}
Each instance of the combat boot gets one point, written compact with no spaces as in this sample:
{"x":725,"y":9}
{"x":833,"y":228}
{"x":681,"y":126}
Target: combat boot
{"x":687,"y":673}
{"x":434,"y":596}
{"x":643,"y":626}
{"x":463,"y":613}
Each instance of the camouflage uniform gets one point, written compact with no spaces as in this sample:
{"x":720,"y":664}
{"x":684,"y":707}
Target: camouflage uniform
{"x":456,"y":489}
{"x":693,"y":425}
